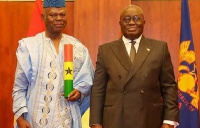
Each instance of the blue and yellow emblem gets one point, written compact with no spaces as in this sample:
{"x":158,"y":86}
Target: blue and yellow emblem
{"x":187,"y":77}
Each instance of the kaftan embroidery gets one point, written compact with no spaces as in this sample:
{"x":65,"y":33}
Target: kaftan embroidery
{"x":51,"y":109}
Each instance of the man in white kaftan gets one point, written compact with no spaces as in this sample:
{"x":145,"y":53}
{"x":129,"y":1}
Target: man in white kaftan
{"x":38,"y":100}
{"x":39,"y":82}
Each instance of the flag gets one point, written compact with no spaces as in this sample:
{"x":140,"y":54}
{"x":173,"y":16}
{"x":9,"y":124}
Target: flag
{"x":188,"y":94}
{"x":68,"y":69}
{"x":36,"y":23}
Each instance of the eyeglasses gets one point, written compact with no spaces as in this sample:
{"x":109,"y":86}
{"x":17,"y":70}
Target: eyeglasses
{"x":136,"y":19}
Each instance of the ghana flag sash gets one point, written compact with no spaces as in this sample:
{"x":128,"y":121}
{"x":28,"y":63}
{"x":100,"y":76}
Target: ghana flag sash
{"x":68,"y":69}
{"x":188,"y":94}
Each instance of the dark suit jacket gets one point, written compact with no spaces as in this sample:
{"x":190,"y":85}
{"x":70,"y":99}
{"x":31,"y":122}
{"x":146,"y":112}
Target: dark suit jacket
{"x":139,"y":95}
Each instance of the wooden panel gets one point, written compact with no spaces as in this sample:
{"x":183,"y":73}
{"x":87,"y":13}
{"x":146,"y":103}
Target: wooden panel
{"x":97,"y":22}
{"x":14,"y":24}
{"x":163,"y":23}
{"x":70,"y":19}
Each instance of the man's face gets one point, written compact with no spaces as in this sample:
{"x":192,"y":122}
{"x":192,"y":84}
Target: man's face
{"x":132,"y":23}
{"x":55,"y":19}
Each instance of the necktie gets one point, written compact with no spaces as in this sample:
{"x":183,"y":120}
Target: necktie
{"x":133,"y":51}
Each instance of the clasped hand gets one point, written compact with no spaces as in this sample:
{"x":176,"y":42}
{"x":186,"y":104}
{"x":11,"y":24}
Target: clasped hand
{"x":74,"y":95}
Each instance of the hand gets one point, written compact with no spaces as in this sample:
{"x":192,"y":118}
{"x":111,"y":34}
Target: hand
{"x":167,"y":126}
{"x":74,"y":95}
{"x":96,"y":126}
{"x":22,"y":123}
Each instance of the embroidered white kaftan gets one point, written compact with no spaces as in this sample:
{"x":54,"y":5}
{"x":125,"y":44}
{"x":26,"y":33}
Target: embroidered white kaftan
{"x":39,"y":83}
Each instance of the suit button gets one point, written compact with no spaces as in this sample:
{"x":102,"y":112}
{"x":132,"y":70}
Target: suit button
{"x":124,"y":92}
{"x":142,"y":91}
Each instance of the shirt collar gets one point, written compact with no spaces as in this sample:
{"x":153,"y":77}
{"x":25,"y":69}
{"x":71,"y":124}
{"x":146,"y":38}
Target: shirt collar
{"x":127,"y":41}
{"x":49,"y":40}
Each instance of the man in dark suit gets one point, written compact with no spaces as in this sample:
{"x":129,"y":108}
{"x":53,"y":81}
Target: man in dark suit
{"x":141,"y":93}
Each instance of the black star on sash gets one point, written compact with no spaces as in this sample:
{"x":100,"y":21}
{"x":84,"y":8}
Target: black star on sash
{"x":68,"y":71}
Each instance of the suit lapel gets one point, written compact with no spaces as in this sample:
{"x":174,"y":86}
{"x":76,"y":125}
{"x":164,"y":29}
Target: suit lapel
{"x":120,"y":52}
{"x":145,"y":47}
